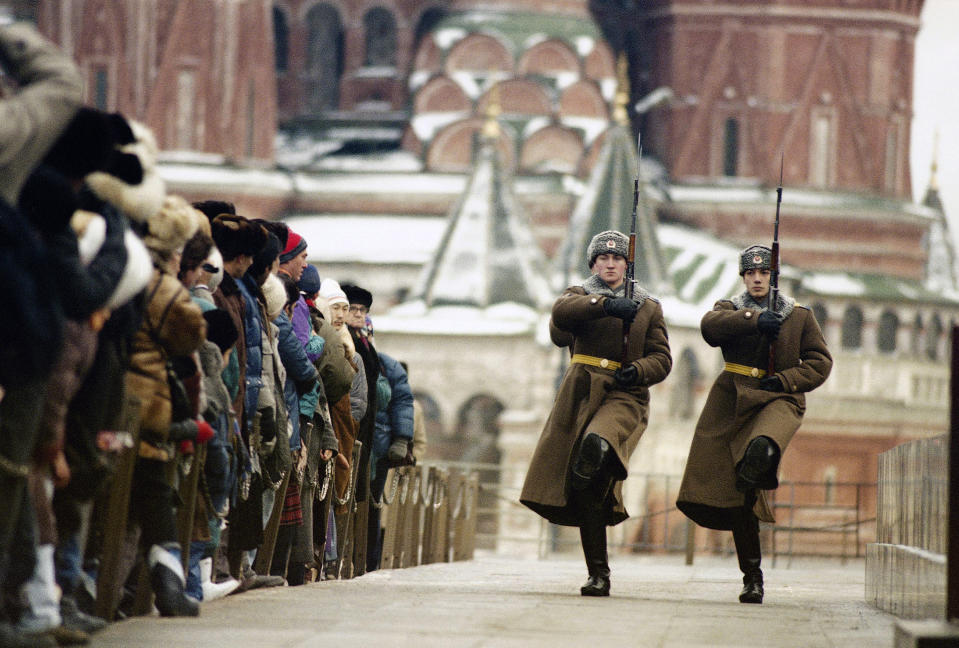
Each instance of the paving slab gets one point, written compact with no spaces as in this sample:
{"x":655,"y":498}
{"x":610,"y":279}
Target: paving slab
{"x":499,"y":602}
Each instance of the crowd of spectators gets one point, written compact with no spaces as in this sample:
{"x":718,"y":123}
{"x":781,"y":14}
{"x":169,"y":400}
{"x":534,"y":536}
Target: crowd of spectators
{"x":194,"y":338}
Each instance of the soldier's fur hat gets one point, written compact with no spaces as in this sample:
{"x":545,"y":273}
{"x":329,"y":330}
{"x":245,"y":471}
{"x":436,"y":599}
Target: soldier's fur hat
{"x":755,"y":257}
{"x":608,"y":242}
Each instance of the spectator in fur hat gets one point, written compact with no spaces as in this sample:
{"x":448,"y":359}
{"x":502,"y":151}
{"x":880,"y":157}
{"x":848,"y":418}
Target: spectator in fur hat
{"x":361,"y":300}
{"x":173,"y":326}
{"x":213,"y":208}
{"x":238,"y":239}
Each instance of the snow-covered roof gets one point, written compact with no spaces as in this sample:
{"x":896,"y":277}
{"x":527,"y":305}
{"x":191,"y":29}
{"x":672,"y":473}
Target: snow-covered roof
{"x":415,"y":317}
{"x":827,"y":201}
{"x":358,"y":238}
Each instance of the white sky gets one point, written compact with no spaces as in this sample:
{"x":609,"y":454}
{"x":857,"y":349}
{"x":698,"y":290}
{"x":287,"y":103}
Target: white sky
{"x":936,"y":105}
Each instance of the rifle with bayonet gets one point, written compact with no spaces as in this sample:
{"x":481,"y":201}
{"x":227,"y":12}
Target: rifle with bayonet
{"x":774,"y":267}
{"x":631,"y":254}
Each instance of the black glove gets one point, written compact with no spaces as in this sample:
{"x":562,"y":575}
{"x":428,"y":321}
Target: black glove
{"x":305,"y":386}
{"x":771,"y":384}
{"x":627,"y":376}
{"x":621,"y":307}
{"x":768,"y":324}
{"x":399,"y":452}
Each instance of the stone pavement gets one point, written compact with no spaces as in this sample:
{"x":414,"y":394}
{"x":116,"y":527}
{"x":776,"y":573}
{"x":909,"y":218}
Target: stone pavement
{"x":502,"y":602}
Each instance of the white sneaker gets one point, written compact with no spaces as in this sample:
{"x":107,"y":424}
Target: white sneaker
{"x":211,"y":590}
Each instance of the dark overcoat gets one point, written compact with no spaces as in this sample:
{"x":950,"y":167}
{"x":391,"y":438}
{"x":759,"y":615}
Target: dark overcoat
{"x":590,"y":402}
{"x":737,"y":410}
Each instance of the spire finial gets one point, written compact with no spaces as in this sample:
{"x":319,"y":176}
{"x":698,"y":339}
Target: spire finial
{"x":934,"y":168}
{"x":491,"y":129}
{"x":621,"y":99}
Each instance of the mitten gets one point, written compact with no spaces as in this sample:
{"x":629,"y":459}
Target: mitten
{"x":621,"y":307}
{"x":769,"y":323}
{"x":627,"y":376}
{"x":771,"y":384}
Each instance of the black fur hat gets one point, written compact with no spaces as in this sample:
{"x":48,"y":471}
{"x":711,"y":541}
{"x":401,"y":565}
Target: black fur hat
{"x":235,"y":235}
{"x":220,"y":329}
{"x":263,"y":259}
{"x":357,"y":295}
{"x":213,"y":208}
{"x":90,"y":143}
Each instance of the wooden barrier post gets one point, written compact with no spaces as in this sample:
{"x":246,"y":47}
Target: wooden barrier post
{"x":109,"y":580}
{"x":187,"y":511}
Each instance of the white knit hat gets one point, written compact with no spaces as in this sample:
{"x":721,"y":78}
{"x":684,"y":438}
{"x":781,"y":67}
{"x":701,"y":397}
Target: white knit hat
{"x":331,"y":291}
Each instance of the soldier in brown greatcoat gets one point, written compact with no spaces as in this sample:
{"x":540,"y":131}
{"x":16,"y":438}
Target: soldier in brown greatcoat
{"x":576,"y":473}
{"x":749,"y":417}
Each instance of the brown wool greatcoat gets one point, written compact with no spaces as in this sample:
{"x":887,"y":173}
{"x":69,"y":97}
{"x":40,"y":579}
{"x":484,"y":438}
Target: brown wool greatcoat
{"x":737,"y":411}
{"x":589,"y":402}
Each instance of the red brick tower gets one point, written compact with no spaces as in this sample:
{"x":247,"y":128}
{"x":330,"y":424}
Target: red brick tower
{"x":199,"y":73}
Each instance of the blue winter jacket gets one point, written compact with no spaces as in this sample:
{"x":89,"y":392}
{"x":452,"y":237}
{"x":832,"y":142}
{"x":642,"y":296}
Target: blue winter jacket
{"x":396,"y":420}
{"x":298,"y":369}
{"x":253,"y":325}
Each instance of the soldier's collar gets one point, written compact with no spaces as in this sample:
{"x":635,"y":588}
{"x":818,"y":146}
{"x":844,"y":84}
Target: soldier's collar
{"x":784,"y":303}
{"x":596,"y":286}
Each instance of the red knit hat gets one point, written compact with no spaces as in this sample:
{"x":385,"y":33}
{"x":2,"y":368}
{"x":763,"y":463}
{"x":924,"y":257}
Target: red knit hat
{"x":294,"y":245}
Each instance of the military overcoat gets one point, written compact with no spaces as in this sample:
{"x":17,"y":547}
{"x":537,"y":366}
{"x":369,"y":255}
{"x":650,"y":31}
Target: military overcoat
{"x":737,"y":410}
{"x":589,"y":400}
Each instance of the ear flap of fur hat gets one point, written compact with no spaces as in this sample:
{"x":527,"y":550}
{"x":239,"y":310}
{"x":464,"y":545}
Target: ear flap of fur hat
{"x":172,"y":226}
{"x":91,"y":231}
{"x":275,"y":294}
{"x":136,"y":273}
{"x":139,"y":201}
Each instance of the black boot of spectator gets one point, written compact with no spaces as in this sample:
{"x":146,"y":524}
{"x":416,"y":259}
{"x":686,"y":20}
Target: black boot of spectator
{"x":168,"y":582}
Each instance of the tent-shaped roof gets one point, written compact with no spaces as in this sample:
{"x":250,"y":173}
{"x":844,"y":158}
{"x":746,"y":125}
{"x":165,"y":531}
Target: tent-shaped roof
{"x":487,"y":254}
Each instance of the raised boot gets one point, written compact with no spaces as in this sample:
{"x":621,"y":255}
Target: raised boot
{"x":593,"y":453}
{"x":760,"y":459}
{"x":168,"y":581}
{"x":748,"y":551}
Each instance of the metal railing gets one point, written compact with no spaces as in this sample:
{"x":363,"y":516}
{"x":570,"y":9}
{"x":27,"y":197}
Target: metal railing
{"x":813,"y":519}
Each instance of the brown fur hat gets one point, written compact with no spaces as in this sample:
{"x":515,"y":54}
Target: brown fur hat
{"x":235,"y":235}
{"x":172,"y":226}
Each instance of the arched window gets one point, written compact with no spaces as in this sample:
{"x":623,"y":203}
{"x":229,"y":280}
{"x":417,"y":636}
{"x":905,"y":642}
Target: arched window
{"x":932,"y":338}
{"x":888,"y":329}
{"x":852,"y":328}
{"x":432,"y":421}
{"x":685,"y":376}
{"x":730,"y":147}
{"x":324,"y":56}
{"x":820,"y":313}
{"x":380,"y":26}
{"x":281,"y":39}
{"x":477,"y":428}
{"x":829,"y":485}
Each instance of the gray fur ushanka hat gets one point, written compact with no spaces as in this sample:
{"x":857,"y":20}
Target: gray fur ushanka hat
{"x":608,"y":242}
{"x":755,"y":257}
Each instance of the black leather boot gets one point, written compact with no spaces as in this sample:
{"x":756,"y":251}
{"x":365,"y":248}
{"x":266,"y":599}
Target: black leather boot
{"x":760,"y":459}
{"x":593,"y":538}
{"x":167,"y":580}
{"x":592,"y":534}
{"x":749,"y":553}
{"x":593,"y":453}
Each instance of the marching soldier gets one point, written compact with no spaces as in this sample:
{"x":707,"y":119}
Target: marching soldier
{"x":750,"y":417}
{"x":575,"y":476}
